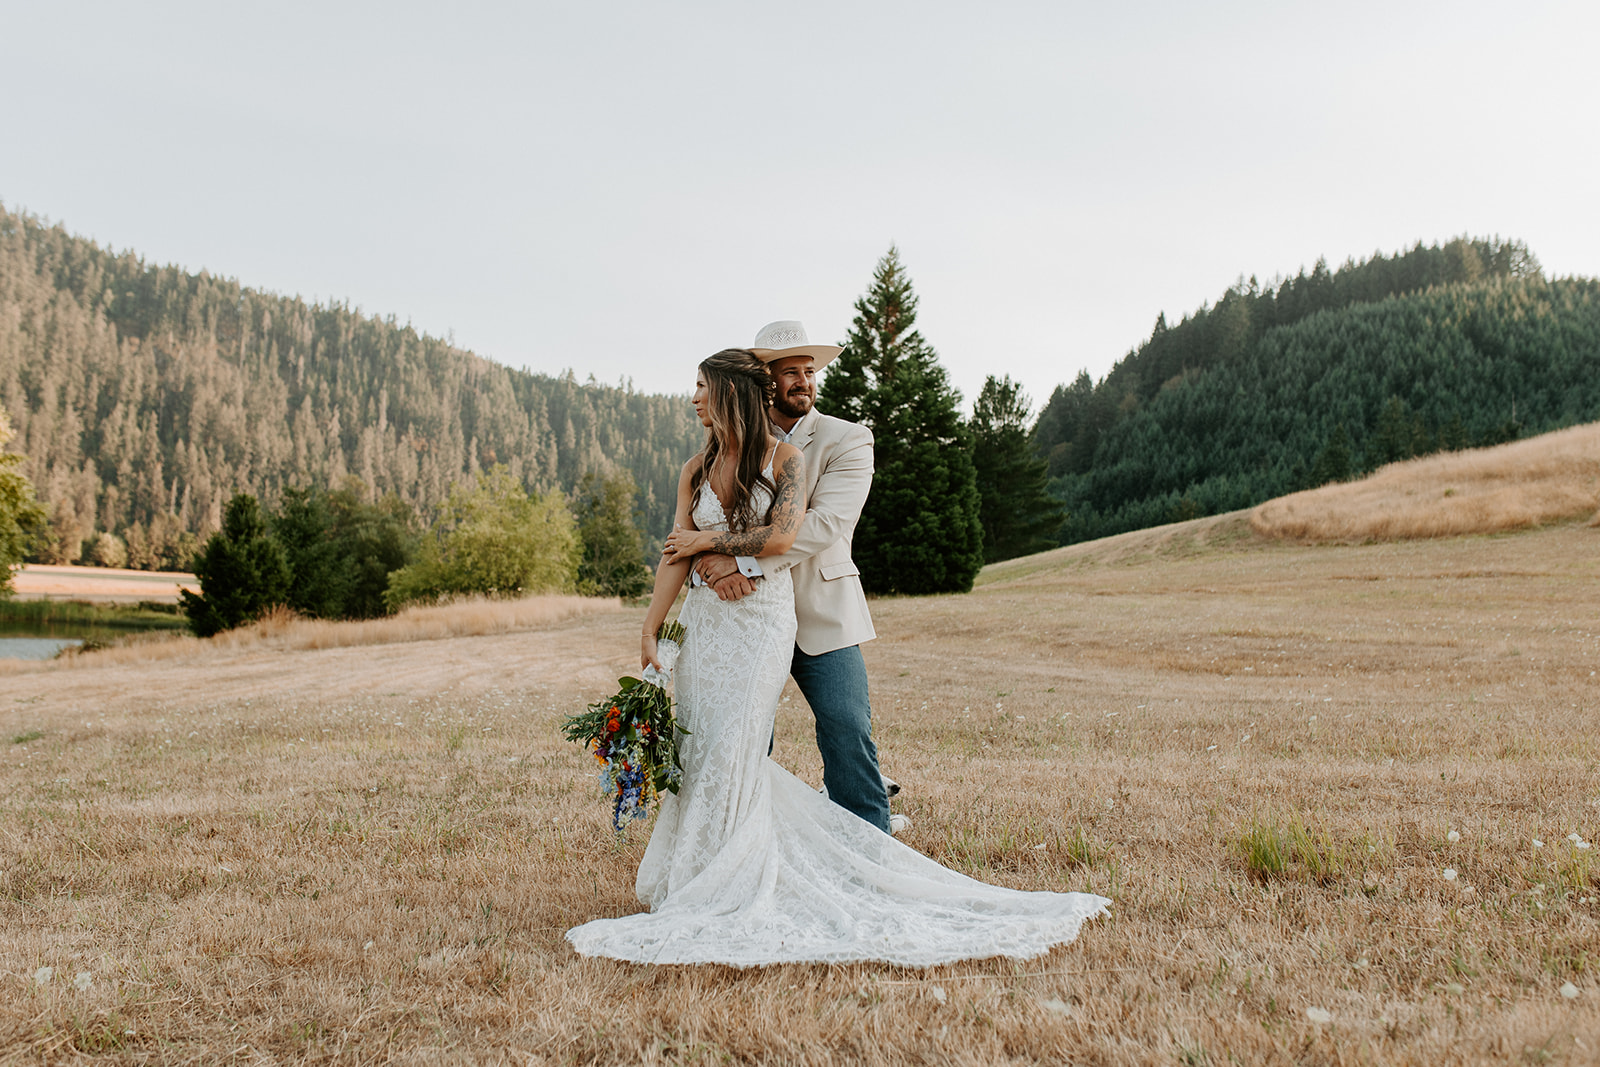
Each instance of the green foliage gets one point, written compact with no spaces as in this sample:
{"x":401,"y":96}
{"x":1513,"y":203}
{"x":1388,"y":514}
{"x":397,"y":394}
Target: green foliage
{"x":1293,"y":851}
{"x":242,"y":572}
{"x":1333,"y":463}
{"x":920,"y":531}
{"x":79,"y":615}
{"x":20,"y":513}
{"x":492,"y":539}
{"x":148,"y":395}
{"x":106,"y":550}
{"x":341,"y":549}
{"x":1487,"y":351}
{"x":1017,"y":513}
{"x":613,"y":550}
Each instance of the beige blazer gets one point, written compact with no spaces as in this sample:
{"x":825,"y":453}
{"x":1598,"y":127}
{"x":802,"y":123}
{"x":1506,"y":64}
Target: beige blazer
{"x":828,"y":601}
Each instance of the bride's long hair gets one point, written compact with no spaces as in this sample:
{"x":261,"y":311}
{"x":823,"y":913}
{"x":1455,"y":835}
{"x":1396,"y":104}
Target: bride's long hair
{"x":738,"y":392}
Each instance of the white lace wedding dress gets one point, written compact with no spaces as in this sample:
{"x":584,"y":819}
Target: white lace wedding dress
{"x":748,"y":865}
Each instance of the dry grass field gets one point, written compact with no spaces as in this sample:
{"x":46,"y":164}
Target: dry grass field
{"x":1272,"y":757}
{"x":1516,"y":486}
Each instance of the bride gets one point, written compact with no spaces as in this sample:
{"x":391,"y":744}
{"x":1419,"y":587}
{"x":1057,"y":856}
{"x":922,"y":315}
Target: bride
{"x":748,"y":865}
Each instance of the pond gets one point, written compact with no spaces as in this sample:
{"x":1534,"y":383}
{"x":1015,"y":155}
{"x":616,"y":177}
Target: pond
{"x":13,"y":647}
{"x":44,"y":638}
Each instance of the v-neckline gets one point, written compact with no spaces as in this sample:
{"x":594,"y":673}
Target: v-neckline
{"x":711,"y":482}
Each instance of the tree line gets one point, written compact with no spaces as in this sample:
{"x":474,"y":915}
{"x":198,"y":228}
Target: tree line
{"x":147,"y":400}
{"x":1327,"y":376}
{"x":144,"y":398}
{"x":331,"y":554}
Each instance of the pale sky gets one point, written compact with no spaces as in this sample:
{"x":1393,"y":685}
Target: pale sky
{"x":622,"y":189}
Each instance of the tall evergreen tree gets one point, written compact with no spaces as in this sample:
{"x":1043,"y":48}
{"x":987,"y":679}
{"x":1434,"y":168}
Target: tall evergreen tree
{"x":1333,"y":462}
{"x":920,"y":531}
{"x":303,"y":527}
{"x":1017,"y":513}
{"x":242,"y":571}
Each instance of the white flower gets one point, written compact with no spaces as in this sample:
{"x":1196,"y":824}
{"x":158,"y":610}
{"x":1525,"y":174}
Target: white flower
{"x":1581,"y":845}
{"x":367,"y":947}
{"x":1449,"y":874}
{"x":1569,"y":991}
{"x":937,"y":993}
{"x":1574,"y":838}
{"x":1320,"y":1016}
{"x":83,"y":981}
{"x":1537,"y":843}
{"x":1452,"y":837}
{"x":1056,"y":1007}
{"x":44,"y":974}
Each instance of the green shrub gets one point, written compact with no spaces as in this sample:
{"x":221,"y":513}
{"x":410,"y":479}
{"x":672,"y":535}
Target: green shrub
{"x":492,"y":539}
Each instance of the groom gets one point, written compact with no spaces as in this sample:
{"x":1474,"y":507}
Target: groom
{"x":830,"y":607}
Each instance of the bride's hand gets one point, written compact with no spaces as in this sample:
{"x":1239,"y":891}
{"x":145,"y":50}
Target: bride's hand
{"x":648,"y":657}
{"x":681,"y":544}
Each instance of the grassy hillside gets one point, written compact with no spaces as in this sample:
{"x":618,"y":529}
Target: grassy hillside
{"x":1545,"y":479}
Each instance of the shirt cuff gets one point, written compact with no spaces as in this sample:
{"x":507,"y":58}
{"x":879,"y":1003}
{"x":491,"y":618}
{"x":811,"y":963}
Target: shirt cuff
{"x":748,"y":566}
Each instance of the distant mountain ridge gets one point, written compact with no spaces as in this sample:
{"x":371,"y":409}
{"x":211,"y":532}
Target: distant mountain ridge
{"x":146,"y":396}
{"x":1326,"y":376}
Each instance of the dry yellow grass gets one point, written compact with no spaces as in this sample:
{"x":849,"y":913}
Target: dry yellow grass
{"x":1551,"y":478}
{"x":1260,"y":751}
{"x":283,"y":631}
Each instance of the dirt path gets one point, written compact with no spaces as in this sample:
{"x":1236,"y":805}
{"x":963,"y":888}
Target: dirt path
{"x":39,"y":581}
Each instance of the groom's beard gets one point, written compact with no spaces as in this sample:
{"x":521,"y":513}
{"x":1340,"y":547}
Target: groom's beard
{"x":795,"y":404}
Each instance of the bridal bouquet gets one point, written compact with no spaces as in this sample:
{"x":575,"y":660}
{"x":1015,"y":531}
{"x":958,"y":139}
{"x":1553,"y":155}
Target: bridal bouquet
{"x":633,"y":735}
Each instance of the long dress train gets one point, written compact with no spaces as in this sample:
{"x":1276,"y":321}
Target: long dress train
{"x":748,"y":865}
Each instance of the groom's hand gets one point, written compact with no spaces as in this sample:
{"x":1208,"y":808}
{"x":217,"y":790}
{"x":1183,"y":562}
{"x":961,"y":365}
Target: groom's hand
{"x":714,"y":566}
{"x":733,"y":586}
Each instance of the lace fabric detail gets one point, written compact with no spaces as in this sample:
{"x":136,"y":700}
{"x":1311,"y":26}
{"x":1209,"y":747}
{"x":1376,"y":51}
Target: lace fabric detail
{"x":747,"y":865}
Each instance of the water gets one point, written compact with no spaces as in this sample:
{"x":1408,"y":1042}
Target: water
{"x":36,"y":640}
{"x":35,"y":647}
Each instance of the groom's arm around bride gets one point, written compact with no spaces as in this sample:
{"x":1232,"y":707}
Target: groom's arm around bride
{"x":830,"y":605}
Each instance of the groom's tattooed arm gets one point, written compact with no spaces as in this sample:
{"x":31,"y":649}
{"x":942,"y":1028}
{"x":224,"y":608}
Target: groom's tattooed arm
{"x":784,"y":519}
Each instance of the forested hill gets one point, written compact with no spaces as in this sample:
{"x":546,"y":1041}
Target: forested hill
{"x":145,"y":397}
{"x":1328,"y":375}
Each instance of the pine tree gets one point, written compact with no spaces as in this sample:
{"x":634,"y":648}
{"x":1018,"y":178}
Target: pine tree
{"x":1392,"y":439}
{"x":242,"y":571}
{"x":303,"y":527}
{"x":920,"y":531}
{"x":613,"y":550}
{"x":1018,"y":515}
{"x":1333,"y":464}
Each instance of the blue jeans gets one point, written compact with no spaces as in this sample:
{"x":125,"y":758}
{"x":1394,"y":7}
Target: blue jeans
{"x":835,"y":685}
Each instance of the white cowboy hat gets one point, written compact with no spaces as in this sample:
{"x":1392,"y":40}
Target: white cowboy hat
{"x":780,"y":340}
